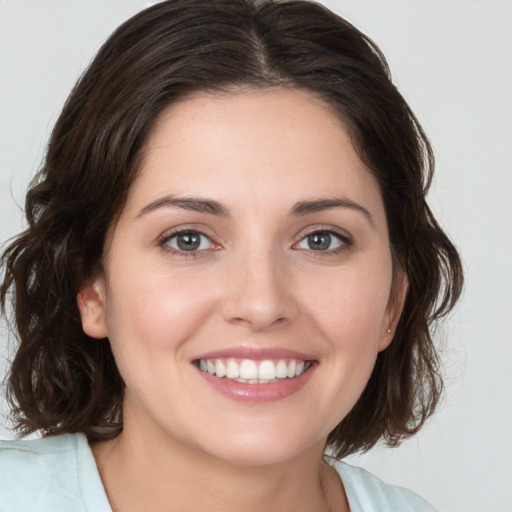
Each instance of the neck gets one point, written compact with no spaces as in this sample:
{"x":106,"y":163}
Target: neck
{"x":154,"y":473}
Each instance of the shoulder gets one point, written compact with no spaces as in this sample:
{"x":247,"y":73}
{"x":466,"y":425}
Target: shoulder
{"x":368,"y":493}
{"x":38,"y":474}
{"x":21,"y":450}
{"x":44,"y":474}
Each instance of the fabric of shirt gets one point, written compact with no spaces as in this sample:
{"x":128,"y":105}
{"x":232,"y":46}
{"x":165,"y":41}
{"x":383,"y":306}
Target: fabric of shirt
{"x":59,"y":474}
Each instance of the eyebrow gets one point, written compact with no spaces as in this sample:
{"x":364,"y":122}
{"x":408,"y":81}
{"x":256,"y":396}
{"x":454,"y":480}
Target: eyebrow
{"x":212,"y":207}
{"x":195,"y":204}
{"x":318,"y":205}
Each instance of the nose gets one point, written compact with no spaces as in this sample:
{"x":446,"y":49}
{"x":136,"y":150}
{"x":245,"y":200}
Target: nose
{"x":259,"y":292}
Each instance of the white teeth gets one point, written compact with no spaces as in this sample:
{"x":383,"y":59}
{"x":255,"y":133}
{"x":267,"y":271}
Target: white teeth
{"x":232,"y":370}
{"x":281,"y":370}
{"x":248,"y":370}
{"x":291,"y":369}
{"x":267,"y":370}
{"x":254,"y":372}
{"x":220,"y":368}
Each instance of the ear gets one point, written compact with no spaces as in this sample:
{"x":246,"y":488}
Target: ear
{"x":91,"y":304}
{"x":394,"y":309}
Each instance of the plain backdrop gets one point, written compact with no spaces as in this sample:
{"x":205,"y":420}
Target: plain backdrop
{"x":452,"y":60}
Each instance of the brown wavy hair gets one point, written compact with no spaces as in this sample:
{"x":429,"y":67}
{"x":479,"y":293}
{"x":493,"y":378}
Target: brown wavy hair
{"x":62,"y":381}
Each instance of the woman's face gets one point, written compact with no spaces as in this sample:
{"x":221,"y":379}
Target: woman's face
{"x":246,"y":287}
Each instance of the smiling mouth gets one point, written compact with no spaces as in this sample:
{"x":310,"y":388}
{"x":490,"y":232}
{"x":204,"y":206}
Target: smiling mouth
{"x":250,"y":371}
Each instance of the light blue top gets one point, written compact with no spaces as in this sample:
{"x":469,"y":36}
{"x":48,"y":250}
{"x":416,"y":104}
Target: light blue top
{"x":59,"y":474}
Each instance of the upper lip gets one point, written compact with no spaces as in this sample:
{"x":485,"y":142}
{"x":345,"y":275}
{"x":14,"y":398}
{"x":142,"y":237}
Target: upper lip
{"x":255,"y":353}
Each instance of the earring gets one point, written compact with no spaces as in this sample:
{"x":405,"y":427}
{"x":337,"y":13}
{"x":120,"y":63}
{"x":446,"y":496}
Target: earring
{"x":389,"y":331}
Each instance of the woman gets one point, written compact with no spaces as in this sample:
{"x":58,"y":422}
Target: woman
{"x":230,"y":272}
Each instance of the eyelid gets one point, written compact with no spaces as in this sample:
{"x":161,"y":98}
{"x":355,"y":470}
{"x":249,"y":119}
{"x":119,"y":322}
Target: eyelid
{"x":344,"y":236}
{"x":346,"y":239}
{"x":163,"y":239}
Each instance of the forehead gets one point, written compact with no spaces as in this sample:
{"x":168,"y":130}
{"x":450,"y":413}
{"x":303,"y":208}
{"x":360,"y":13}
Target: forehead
{"x":278,"y":144}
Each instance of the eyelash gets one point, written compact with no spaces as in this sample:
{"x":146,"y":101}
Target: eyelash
{"x":346,"y":242}
{"x":163,"y":242}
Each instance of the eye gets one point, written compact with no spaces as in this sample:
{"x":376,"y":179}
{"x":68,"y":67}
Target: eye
{"x":325,"y":240}
{"x":187,"y":241}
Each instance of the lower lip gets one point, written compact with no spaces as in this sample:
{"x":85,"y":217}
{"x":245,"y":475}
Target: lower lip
{"x":258,"y":393}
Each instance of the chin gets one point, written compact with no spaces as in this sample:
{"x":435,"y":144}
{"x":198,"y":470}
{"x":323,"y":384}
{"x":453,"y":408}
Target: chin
{"x":263,"y":448}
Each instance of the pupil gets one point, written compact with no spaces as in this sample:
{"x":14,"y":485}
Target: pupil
{"x":319,"y":241}
{"x":188,"y":241}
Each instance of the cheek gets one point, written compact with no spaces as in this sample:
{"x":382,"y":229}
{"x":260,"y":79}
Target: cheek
{"x":350,"y":306}
{"x":150,"y":323}
{"x":153,"y":313}
{"x":349,"y":314}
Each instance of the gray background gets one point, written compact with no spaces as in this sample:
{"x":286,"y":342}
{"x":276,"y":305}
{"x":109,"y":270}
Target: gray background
{"x":453,"y":62}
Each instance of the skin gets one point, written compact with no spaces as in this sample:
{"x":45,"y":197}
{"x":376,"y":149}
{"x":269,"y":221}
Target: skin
{"x":255,"y":282}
